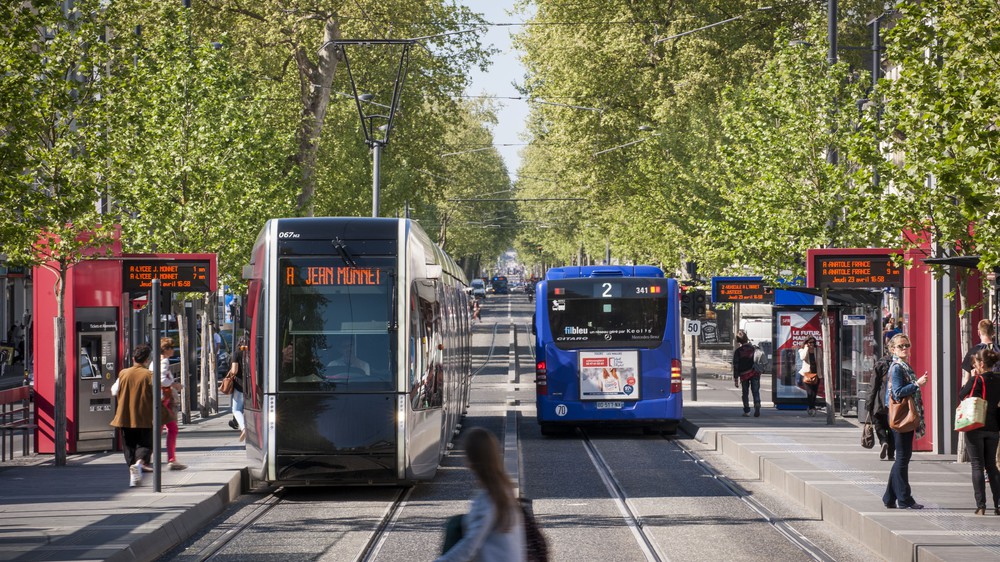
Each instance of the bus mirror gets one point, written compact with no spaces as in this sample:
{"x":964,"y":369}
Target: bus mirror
{"x":248,"y":272}
{"x":433,"y":271}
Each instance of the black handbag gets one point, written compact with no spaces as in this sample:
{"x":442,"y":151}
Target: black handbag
{"x":868,"y":433}
{"x":452,"y":532}
{"x":538,"y":549}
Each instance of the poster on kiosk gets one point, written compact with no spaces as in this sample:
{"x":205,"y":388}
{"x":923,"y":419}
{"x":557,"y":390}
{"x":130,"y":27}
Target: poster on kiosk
{"x":793,"y":327}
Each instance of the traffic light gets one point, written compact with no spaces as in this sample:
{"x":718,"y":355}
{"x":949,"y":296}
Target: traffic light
{"x":700,"y":303}
{"x":687,"y":304}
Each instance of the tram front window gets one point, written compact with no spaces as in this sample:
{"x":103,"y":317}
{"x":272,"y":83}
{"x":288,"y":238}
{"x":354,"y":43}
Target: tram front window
{"x":334,"y":322}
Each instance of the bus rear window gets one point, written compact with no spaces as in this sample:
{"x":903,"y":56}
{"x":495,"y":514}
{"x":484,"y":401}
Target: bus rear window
{"x":607,"y":313}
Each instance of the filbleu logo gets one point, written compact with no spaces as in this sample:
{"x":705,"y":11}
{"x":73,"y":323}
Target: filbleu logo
{"x":574,"y":331}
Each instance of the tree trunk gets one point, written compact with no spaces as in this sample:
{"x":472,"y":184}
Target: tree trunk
{"x":59,"y":343}
{"x":177,"y":308}
{"x":315,"y":81}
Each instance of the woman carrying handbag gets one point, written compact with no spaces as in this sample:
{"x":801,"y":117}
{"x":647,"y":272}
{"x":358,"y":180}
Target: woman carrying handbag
{"x":808,"y":365}
{"x":982,"y":442}
{"x":903,"y":384}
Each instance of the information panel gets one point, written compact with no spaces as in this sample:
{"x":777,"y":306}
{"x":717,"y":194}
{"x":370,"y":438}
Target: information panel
{"x":858,"y":271}
{"x":741,"y":290}
{"x":318,"y":275}
{"x":180,"y":275}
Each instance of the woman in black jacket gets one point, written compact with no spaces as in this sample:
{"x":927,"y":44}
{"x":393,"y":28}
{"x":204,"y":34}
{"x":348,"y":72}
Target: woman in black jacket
{"x":982,"y":443}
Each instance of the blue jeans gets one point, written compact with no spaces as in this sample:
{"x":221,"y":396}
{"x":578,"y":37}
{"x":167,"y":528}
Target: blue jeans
{"x":982,"y":447}
{"x":238,"y":409}
{"x":898,"y":488}
{"x":751,"y":384}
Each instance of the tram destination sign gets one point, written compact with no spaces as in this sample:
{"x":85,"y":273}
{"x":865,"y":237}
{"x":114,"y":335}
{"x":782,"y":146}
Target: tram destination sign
{"x":332,"y":275}
{"x":857,"y":271}
{"x":741,"y":290}
{"x":174,"y":275}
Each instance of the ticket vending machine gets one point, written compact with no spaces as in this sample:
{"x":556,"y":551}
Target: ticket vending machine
{"x":96,"y":370}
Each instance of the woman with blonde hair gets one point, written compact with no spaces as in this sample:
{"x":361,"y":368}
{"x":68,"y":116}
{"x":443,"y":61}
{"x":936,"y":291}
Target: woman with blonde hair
{"x":902,"y":383}
{"x":493,"y":529}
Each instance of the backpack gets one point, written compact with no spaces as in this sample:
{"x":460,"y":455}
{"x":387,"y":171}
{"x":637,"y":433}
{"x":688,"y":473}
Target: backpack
{"x":876,"y":394}
{"x":759,"y":360}
{"x":746,"y":361}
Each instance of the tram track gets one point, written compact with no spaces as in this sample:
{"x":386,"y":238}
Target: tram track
{"x":263,"y":507}
{"x":489,"y":355}
{"x":782,"y":526}
{"x":628,"y":512}
{"x":389,"y":518}
{"x":216,"y":549}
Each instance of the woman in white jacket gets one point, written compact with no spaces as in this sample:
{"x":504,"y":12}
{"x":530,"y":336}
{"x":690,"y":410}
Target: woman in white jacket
{"x":493,"y":530}
{"x":808,"y":362}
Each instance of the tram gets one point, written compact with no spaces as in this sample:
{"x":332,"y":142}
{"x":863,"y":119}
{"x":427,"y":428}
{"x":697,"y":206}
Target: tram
{"x":359,"y":365}
{"x":607,"y":348}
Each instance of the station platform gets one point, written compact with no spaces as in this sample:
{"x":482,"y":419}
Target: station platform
{"x":826,"y":470}
{"x":86,"y":510}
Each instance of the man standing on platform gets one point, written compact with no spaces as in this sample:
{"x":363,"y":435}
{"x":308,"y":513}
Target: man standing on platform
{"x":135,"y":412}
{"x":746,"y":372}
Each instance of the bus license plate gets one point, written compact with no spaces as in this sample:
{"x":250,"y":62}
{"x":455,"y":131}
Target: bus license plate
{"x":610,"y":405}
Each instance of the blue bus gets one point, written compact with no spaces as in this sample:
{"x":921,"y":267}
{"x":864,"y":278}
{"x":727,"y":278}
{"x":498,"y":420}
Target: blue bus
{"x":500,"y":286}
{"x":607,"y":348}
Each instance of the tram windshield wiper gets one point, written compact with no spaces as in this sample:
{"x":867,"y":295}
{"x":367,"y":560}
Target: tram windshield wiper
{"x":341,"y":248}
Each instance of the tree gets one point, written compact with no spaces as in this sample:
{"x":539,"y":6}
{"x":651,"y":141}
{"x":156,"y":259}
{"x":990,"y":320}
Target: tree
{"x":53,"y":150}
{"x":198,"y":147}
{"x":940,"y":137}
{"x":302,"y":33}
{"x":780,"y":194}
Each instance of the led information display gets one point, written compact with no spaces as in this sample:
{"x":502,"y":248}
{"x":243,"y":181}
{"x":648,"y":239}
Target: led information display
{"x":188,"y":275}
{"x":844,"y":272}
{"x":742,"y":291}
{"x":314,"y":275}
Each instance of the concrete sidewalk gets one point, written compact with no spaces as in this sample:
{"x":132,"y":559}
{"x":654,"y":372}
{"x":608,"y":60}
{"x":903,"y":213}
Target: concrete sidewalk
{"x":826,"y":470}
{"x":86,"y":510}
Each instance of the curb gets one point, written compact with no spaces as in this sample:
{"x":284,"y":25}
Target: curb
{"x":186,"y":524}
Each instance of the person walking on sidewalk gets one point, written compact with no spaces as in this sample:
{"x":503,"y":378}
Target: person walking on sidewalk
{"x":134,"y":416}
{"x":808,"y":363}
{"x":902,"y":383}
{"x":982,"y":443}
{"x":236,"y":371}
{"x":171,"y":389}
{"x":746,"y":358}
{"x":875,"y":405}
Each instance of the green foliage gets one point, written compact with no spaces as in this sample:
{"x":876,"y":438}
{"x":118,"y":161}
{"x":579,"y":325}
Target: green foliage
{"x":718,"y":171}
{"x":940,"y":125}
{"x":199,"y":146}
{"x":53,"y":146}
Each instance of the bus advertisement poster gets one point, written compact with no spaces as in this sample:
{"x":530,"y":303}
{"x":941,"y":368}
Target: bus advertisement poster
{"x":794,"y":327}
{"x":607,"y":375}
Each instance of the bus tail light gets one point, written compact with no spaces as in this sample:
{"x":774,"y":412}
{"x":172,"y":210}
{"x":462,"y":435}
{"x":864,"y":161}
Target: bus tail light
{"x":675,"y":376}
{"x":541,"y":379}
